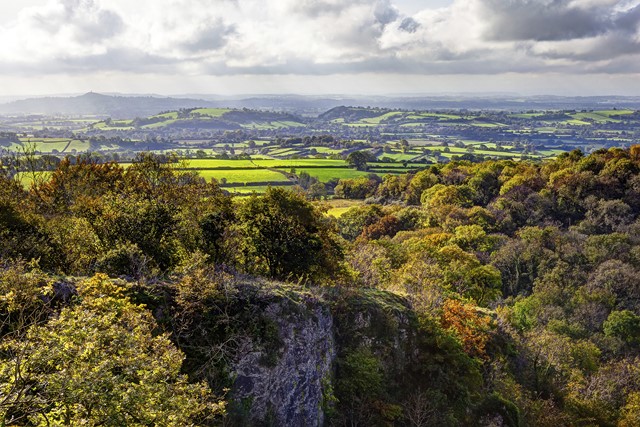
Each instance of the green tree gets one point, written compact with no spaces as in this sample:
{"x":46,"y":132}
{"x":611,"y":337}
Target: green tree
{"x":359,"y":159}
{"x":623,"y":324}
{"x":286,"y":236}
{"x":99,"y":363}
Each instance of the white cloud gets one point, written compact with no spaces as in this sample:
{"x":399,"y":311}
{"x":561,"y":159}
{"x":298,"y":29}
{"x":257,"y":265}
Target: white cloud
{"x":225,"y":37}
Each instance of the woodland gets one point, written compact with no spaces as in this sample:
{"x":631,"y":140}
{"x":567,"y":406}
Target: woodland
{"x":500,"y":292}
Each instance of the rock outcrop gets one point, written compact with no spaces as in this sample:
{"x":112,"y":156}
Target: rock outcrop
{"x":287,"y":388}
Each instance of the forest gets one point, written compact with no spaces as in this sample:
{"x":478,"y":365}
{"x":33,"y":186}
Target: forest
{"x":493,"y":293}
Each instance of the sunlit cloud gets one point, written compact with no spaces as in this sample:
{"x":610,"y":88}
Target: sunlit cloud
{"x":322,"y":37}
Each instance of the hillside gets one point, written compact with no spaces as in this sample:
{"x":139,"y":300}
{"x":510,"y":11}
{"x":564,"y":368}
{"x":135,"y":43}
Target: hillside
{"x":128,"y":106}
{"x":101,"y":105}
{"x":500,"y":292}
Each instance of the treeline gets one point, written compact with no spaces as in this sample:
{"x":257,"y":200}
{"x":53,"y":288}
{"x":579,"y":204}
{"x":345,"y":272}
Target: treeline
{"x":535,"y":267}
{"x":526,"y":276}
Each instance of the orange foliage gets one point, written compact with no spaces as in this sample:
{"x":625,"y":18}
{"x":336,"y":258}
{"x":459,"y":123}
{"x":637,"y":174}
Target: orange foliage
{"x":469,"y":324}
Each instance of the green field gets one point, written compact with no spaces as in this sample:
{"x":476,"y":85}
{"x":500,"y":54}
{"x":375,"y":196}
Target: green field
{"x":211,"y":112}
{"x":243,"y":175}
{"x":399,"y":157}
{"x":377,"y":120}
{"x":337,"y":207}
{"x":327,"y":174}
{"x":294,"y":163}
{"x":219,"y":164}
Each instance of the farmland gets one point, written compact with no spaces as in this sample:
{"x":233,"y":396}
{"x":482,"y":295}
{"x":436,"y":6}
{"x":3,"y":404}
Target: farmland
{"x":247,"y":150}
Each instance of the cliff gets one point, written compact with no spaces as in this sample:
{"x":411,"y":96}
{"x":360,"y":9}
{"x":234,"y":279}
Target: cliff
{"x":292,"y":356}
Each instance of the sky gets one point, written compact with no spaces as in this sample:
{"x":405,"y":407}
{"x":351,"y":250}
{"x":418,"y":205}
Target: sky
{"x":227,"y":47}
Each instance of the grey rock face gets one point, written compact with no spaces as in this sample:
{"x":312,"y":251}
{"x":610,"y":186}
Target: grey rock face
{"x":288,"y":388}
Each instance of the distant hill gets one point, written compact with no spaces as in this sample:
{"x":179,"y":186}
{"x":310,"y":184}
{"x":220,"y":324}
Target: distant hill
{"x":102,"y":105}
{"x":350,"y":113}
{"x":121,"y":107}
{"x":204,"y":118}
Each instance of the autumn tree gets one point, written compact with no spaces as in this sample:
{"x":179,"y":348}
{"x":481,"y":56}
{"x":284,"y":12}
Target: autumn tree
{"x":99,"y":363}
{"x":286,"y":237}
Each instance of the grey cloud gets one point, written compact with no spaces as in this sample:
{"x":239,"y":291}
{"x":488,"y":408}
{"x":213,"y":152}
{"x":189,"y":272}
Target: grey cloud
{"x":316,"y":8}
{"x":629,"y":21}
{"x":603,"y":49}
{"x":537,"y":35}
{"x":385,"y":12}
{"x":544,"y":20}
{"x":89,"y":22}
{"x":117,"y":59}
{"x":459,"y":64}
{"x":409,"y":25}
{"x":210,"y":38}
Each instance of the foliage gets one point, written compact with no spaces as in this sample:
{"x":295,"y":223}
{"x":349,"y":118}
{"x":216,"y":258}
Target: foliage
{"x":286,"y":237}
{"x":494,"y":292}
{"x":99,"y":363}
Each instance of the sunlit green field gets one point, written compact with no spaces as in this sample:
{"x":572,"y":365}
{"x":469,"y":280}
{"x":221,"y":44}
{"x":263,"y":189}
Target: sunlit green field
{"x":337,"y":207}
{"x":276,"y":163}
{"x":53,"y":145}
{"x":262,"y":163}
{"x":211,"y":112}
{"x":327,"y":174}
{"x":243,"y":175}
{"x":219,"y":163}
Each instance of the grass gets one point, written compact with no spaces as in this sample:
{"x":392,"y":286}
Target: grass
{"x":399,"y":157}
{"x":211,"y":112}
{"x":337,"y":207}
{"x":220,"y":163}
{"x":439,"y":116}
{"x":486,"y":124}
{"x":160,"y":124}
{"x":243,"y":175}
{"x":327,"y":150}
{"x":377,"y":120}
{"x":576,"y":122}
{"x":278,"y":151}
{"x":610,"y":113}
{"x":327,"y":174}
{"x":295,"y":163}
{"x":78,"y":145}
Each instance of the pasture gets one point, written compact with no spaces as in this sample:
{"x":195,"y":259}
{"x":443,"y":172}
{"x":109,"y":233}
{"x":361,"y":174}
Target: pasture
{"x":243,"y":175}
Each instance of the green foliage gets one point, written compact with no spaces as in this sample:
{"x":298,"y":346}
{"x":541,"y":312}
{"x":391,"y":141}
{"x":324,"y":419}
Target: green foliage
{"x":99,"y":363}
{"x":496,"y":407}
{"x":359,"y":159}
{"x":508,"y":292}
{"x":286,"y":237}
{"x":623,"y":324}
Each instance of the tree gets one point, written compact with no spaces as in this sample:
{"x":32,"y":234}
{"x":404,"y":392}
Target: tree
{"x":359,"y":159}
{"x":286,"y":237}
{"x":99,"y":363}
{"x":469,"y":324}
{"x":623,"y":324}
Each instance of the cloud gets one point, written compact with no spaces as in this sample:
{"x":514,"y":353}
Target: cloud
{"x":83,"y":20}
{"x":544,"y":20}
{"x":319,"y":37}
{"x":209,"y":37}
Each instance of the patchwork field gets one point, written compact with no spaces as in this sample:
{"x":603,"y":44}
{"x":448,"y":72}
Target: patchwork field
{"x":243,"y":175}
